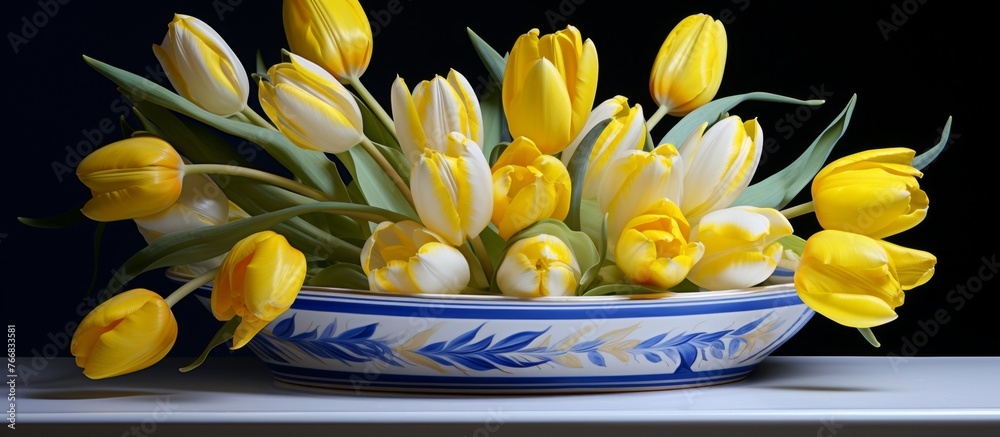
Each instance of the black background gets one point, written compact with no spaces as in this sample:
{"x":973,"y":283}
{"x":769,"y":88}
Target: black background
{"x":926,"y":61}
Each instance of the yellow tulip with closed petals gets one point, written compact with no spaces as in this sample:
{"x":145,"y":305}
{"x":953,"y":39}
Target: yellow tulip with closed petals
{"x":873,"y":193}
{"x":201,"y":203}
{"x":626,"y":132}
{"x":654,"y":249}
{"x":258,"y":280}
{"x":126,"y":333}
{"x":542,"y":265}
{"x":635,"y":183}
{"x":310,"y":107}
{"x":549,"y":86}
{"x":452,"y":189}
{"x":436,"y":108}
{"x":528,"y":186}
{"x":719,"y":164}
{"x":202,"y":67}
{"x":741,"y":247}
{"x":405,"y":257}
{"x":854,"y":280}
{"x":688,"y":68}
{"x":130,"y":178}
{"x":335,"y":34}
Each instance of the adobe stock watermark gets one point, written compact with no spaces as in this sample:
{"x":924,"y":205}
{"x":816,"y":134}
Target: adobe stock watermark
{"x":727,"y":15}
{"x":223,"y":7}
{"x":899,"y":15}
{"x":560,"y":15}
{"x":494,"y":420}
{"x":958,"y":297}
{"x":794,"y":120}
{"x":161,"y":411}
{"x":31,"y":25}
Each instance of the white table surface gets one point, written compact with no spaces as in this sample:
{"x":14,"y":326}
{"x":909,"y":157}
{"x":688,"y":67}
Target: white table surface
{"x":807,"y":396}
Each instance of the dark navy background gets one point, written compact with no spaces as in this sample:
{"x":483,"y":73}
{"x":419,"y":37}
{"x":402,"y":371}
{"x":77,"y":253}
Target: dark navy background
{"x":912,"y":64}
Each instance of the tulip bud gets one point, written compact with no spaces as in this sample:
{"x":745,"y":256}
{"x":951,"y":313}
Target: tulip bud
{"x":436,"y":108}
{"x":549,"y":86}
{"x":654,"y":248}
{"x":626,"y":132}
{"x":542,"y":265}
{"x":126,"y":333}
{"x":741,"y":247}
{"x":873,"y":193}
{"x":404,"y":257}
{"x":452,"y":190}
{"x":130,"y":178}
{"x":334,"y":34}
{"x":258,"y":280}
{"x":688,"y":68}
{"x":528,"y":187}
{"x":854,"y":281}
{"x":310,"y":107}
{"x":719,"y":164}
{"x":202,"y":67}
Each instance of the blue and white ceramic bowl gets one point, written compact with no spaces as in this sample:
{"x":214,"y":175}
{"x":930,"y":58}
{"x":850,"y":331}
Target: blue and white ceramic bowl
{"x":359,"y":340}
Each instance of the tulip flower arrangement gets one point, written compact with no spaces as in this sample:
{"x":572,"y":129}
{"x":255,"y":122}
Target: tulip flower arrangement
{"x":543,"y":192}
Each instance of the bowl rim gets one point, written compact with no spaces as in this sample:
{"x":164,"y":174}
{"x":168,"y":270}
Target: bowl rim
{"x":173,"y":273}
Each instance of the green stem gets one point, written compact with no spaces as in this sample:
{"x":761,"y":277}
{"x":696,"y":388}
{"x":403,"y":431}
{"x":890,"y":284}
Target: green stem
{"x":478,"y":279}
{"x":375,"y":107}
{"x":798,"y":210}
{"x":233,"y":170}
{"x":386,"y":167}
{"x":192,"y":285}
{"x":254,"y":118}
{"x":482,"y":255}
{"x":655,"y":118}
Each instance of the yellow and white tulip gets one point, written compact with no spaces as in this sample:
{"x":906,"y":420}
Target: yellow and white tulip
{"x":405,"y":257}
{"x":453,"y":189}
{"x":626,"y":132}
{"x":719,"y":164}
{"x":741,"y":247}
{"x":528,"y":186}
{"x":654,"y":249}
{"x":258,"y":280}
{"x":436,"y":108}
{"x":858,"y":281}
{"x":549,"y":86}
{"x":873,"y":193}
{"x":542,"y":265}
{"x":687,"y":71}
{"x":310,"y":107}
{"x":202,"y":67}
{"x":334,"y":34}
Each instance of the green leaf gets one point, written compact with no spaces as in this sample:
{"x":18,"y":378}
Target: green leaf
{"x":716,"y":109}
{"x":494,"y":121}
{"x":260,"y":66}
{"x":64,"y":220}
{"x":375,"y":130}
{"x":224,"y":334}
{"x":310,"y":167}
{"x":931,"y":154}
{"x":496,"y":152}
{"x":794,"y":243}
{"x":127,"y":129}
{"x":98,"y":234}
{"x":580,"y":243}
{"x":591,"y":273}
{"x":377,"y":187}
{"x":578,"y":170}
{"x":624,"y":290}
{"x":495,"y":64}
{"x":494,"y":244}
{"x":780,"y":188}
{"x":340,"y":275}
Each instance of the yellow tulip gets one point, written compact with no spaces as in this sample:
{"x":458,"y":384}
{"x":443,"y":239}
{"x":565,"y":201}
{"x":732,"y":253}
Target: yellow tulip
{"x":405,"y":257}
{"x":688,"y":68}
{"x":854,"y":280}
{"x":636,"y":182}
{"x":332,"y":33}
{"x":741,"y":247}
{"x":201,"y":203}
{"x":131,"y":178}
{"x":719,"y":164}
{"x":873,"y":193}
{"x":549,"y":86}
{"x":528,"y":187}
{"x":436,"y":108}
{"x":258,"y":280}
{"x":654,"y":248}
{"x":626,"y":132}
{"x":126,"y":333}
{"x":542,"y":265}
{"x":202,"y":67}
{"x":452,"y":189}
{"x":310,"y":107}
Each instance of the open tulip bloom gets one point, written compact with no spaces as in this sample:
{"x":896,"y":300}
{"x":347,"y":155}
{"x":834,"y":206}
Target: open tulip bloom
{"x":549,"y":195}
